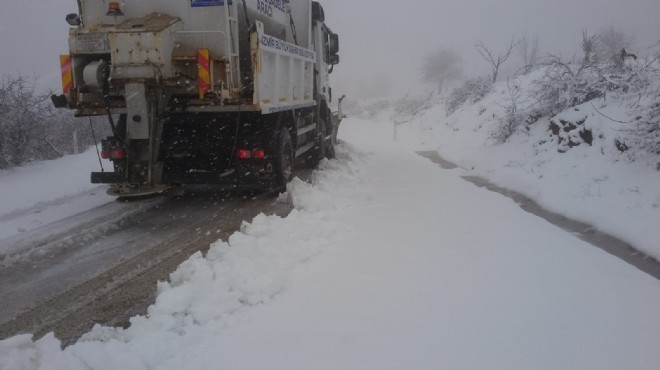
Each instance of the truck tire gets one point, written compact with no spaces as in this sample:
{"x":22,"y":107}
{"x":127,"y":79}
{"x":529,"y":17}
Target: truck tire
{"x":284,"y":160}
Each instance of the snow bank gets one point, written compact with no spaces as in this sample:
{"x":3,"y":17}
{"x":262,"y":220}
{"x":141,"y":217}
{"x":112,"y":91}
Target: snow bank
{"x":204,"y":294}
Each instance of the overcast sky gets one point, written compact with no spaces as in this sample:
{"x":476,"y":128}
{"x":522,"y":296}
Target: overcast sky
{"x":382,"y":42}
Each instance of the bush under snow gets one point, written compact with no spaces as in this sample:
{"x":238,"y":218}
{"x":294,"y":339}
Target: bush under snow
{"x":579,"y":103}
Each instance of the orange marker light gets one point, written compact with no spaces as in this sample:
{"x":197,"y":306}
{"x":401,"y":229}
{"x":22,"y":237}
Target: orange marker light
{"x":114,"y":9}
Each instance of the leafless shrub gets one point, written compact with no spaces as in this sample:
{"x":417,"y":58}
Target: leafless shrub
{"x":643,"y":102}
{"x":611,"y":42}
{"x":513,"y":117}
{"x":471,"y":91}
{"x":567,"y":84}
{"x":31,"y":129}
{"x":633,"y":86}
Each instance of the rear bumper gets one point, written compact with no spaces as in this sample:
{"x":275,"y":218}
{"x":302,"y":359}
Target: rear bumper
{"x":106,"y":178}
{"x":249,"y":174}
{"x":258,"y":174}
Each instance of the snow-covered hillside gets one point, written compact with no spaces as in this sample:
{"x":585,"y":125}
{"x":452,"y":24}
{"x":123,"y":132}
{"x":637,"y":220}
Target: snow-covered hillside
{"x":387,"y":262}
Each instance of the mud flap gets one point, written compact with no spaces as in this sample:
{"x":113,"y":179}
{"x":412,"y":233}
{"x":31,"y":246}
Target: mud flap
{"x":106,"y":178}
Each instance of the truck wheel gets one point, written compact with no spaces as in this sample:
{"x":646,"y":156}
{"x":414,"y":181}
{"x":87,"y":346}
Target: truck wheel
{"x":284,"y":160}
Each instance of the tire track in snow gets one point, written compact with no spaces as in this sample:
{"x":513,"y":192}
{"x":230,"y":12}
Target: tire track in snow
{"x":110,"y":277}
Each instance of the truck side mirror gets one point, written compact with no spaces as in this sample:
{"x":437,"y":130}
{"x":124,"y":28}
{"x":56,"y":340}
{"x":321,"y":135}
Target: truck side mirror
{"x":334,"y":59}
{"x":73,"y":19}
{"x":334,"y":43}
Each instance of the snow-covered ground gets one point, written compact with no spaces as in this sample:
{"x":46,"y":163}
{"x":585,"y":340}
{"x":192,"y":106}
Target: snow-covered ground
{"x":40,"y":193}
{"x":596,"y":184}
{"x":387,"y":262}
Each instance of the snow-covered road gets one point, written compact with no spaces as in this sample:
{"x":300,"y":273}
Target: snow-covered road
{"x":587,"y":232}
{"x":387,"y":262}
{"x":102,"y":265}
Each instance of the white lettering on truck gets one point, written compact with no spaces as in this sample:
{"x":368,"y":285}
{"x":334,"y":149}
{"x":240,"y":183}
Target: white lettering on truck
{"x":266,"y":6}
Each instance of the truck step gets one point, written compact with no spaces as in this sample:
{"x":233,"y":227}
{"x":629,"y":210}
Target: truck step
{"x":306,"y":129}
{"x":303,"y":149}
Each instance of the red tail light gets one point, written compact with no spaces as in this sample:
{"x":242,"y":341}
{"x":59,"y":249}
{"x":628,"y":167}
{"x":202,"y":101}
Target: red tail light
{"x":118,"y":154}
{"x":250,"y":154}
{"x":112,"y":154}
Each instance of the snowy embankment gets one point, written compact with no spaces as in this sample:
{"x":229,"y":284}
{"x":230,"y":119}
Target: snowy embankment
{"x":548,"y":160}
{"x":40,"y":193}
{"x":387,"y":262}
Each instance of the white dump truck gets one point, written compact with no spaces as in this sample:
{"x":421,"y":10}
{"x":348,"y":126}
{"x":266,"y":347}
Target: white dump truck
{"x":231,"y":92}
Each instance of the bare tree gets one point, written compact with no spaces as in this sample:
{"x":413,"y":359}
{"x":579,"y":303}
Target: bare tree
{"x":611,"y":42}
{"x":495,"y":61}
{"x":19,"y":122}
{"x":440,"y":67}
{"x":589,"y":46}
{"x":529,"y":52}
{"x":32,"y":129}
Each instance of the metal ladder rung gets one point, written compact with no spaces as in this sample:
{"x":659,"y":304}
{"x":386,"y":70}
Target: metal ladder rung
{"x":304,"y":149}
{"x":306,"y":129}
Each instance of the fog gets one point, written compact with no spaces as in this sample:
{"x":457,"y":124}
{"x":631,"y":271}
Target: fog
{"x":387,"y":39}
{"x":383,"y":43}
